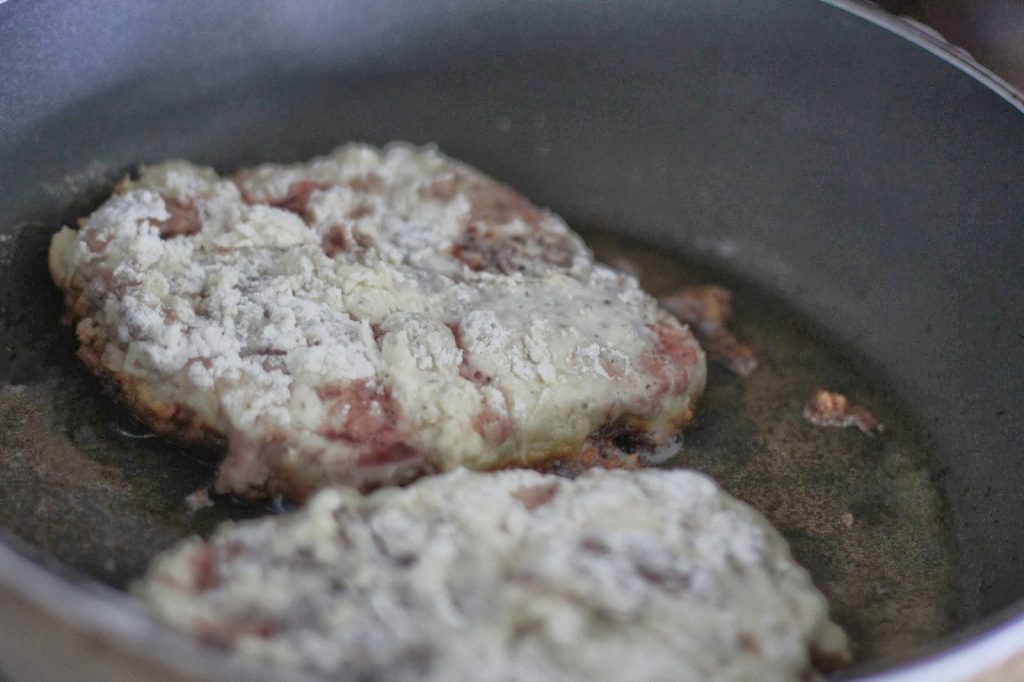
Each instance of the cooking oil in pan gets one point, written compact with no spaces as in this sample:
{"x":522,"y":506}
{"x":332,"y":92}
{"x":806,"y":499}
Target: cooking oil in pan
{"x":862,"y":513}
{"x":85,"y":484}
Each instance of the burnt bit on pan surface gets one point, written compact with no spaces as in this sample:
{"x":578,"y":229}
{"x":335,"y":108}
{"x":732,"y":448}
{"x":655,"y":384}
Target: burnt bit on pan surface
{"x":832,"y":409}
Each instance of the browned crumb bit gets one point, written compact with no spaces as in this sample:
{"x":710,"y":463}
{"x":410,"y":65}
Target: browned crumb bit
{"x":829,"y":661}
{"x":594,"y":454}
{"x":739,"y":358}
{"x":184,"y":220}
{"x":709,"y":308}
{"x":198,"y":499}
{"x":827,"y":408}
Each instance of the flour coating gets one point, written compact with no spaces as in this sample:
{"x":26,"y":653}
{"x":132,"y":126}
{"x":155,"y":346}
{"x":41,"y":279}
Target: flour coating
{"x":515,"y":575}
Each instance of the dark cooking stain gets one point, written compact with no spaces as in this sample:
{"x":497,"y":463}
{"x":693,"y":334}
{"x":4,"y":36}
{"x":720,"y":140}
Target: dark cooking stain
{"x":80,"y":479}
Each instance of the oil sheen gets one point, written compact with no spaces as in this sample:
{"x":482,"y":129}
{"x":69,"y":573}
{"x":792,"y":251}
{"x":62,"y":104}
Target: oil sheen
{"x":85,"y":486}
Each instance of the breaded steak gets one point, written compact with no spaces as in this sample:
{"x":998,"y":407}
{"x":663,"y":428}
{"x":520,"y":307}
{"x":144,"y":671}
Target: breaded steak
{"x":514,"y":575}
{"x":364,"y":319}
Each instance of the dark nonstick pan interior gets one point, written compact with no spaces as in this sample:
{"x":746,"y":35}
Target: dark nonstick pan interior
{"x":861,"y":196}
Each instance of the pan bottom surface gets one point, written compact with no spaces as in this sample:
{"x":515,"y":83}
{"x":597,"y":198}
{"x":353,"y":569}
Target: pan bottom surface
{"x":94,"y":492}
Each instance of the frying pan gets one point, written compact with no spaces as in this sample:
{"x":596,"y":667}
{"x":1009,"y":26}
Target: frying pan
{"x":866,"y":185}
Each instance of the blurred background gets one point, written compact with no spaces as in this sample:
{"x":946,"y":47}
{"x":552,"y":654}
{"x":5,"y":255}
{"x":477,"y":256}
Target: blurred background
{"x":991,"y":30}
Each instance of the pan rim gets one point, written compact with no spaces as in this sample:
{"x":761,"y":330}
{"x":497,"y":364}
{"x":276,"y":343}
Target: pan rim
{"x":116,"y":621}
{"x":993,"y":641}
{"x":933,"y":42}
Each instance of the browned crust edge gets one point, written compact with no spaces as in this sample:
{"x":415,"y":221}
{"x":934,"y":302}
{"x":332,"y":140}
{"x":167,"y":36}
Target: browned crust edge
{"x":184,"y":425}
{"x":177,"y":422}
